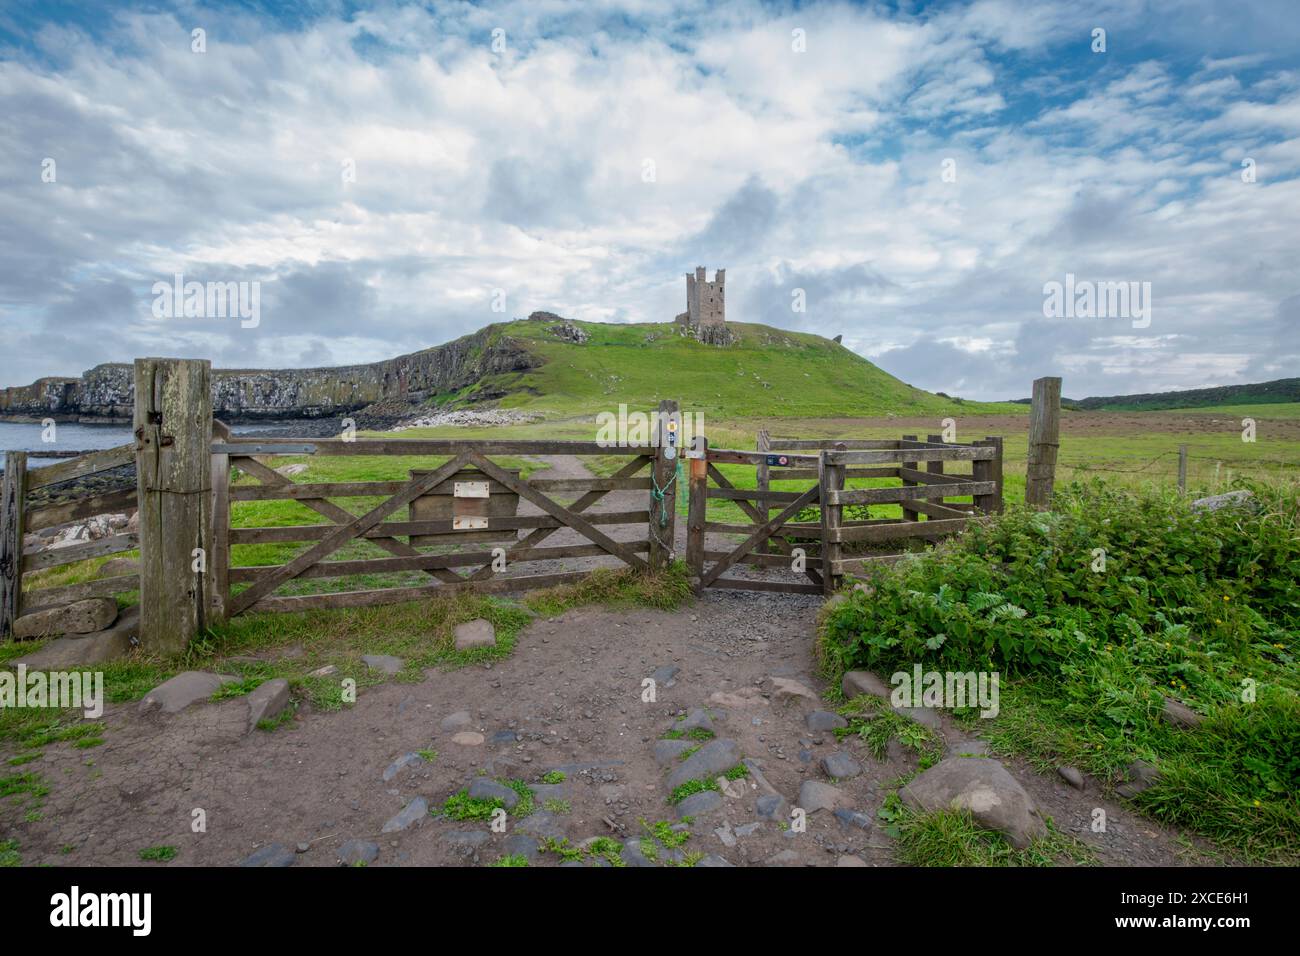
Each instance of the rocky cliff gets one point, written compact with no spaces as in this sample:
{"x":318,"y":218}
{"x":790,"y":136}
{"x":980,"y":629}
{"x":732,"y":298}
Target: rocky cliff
{"x":106,"y":392}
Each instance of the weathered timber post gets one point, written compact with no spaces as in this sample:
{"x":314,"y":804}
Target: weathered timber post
{"x":830,"y":478}
{"x":763,"y":483}
{"x":173,"y":432}
{"x":1182,"y":469}
{"x":909,"y":513}
{"x":934,"y":467}
{"x":990,"y":469}
{"x":663,"y":494}
{"x":12,"y":502}
{"x":698,"y":502}
{"x":1044,"y":440}
{"x":219,"y":553}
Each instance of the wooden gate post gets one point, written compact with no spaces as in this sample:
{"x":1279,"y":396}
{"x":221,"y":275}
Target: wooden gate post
{"x":13,"y":499}
{"x":829,"y":478}
{"x":909,"y":513}
{"x":989,"y":469}
{"x":698,"y":502}
{"x":663,"y":511}
{"x":763,"y":483}
{"x":1044,"y":435}
{"x":173,"y":432}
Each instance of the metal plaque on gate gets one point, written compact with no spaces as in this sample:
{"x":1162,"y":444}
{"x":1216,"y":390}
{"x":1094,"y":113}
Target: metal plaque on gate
{"x":468,"y":523}
{"x":471,"y":489}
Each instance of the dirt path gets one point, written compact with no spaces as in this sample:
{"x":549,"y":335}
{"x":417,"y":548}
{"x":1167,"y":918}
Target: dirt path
{"x":570,"y":698}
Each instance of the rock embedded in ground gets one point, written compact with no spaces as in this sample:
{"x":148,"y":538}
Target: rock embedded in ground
{"x":179,"y":692}
{"x":926,"y":716}
{"x":967,"y":748}
{"x":739,"y":700}
{"x":521,"y":844}
{"x":1141,"y":776}
{"x":454,"y":722}
{"x":1071,"y":776}
{"x":824,"y":720}
{"x":631,"y":854}
{"x":383,"y":663}
{"x":358,"y":851}
{"x":273,"y":854}
{"x":712,"y":758}
{"x":698,"y":804}
{"x":772,"y":807}
{"x":849,"y":860}
{"x":84,"y":649}
{"x":476,"y":633}
{"x":697,"y":718}
{"x":714,"y":860}
{"x":788,"y":690}
{"x":325,"y":671}
{"x":982,"y":786}
{"x":1178,"y":714}
{"x":841,"y":766}
{"x":79,"y":617}
{"x":467,"y":738}
{"x":484,"y":788}
{"x":667,"y":752}
{"x":815,"y":795}
{"x":267,"y":701}
{"x":666,"y":676}
{"x":542,"y":792}
{"x":858,"y":683}
{"x":853,"y":818}
{"x":400,"y":764}
{"x":542,"y":824}
{"x":414,"y":812}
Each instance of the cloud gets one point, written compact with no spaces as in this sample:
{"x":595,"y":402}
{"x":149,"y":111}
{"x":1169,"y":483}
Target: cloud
{"x":524,"y":170}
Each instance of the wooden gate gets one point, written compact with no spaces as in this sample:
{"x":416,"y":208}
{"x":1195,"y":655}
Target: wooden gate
{"x":468,"y":474}
{"x":815,"y":554}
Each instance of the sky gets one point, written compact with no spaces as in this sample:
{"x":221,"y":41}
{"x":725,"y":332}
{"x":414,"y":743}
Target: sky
{"x":914,"y":175}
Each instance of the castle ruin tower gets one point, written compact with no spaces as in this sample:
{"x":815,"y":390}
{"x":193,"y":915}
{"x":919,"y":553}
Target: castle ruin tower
{"x":705,"y":301}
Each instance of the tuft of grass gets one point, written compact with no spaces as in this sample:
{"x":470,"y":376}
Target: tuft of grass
{"x":689,"y":788}
{"x":461,"y":806}
{"x":9,"y":855}
{"x":514,"y":859}
{"x":951,"y":838}
{"x":665,"y":590}
{"x":158,"y":854}
{"x":554,"y":777}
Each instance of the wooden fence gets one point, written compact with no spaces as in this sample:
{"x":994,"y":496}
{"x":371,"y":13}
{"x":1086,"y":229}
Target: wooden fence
{"x":22,"y":513}
{"x":822,"y":558}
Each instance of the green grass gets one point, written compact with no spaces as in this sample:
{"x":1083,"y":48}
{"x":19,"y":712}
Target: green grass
{"x":690,"y":788}
{"x":9,"y":855}
{"x":951,"y":838}
{"x":1196,"y":608}
{"x":514,"y":859}
{"x":158,"y":854}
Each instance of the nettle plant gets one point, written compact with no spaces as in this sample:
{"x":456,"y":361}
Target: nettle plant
{"x":1189,"y":605}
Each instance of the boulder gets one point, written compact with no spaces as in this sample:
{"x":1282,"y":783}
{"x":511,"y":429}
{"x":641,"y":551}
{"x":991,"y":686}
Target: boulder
{"x":79,"y":617}
{"x":383,"y":663}
{"x":697,"y":718}
{"x":711,"y":759}
{"x":1231,"y":499}
{"x":273,"y":854}
{"x":476,"y":633}
{"x":358,"y":852}
{"x":485,"y":788}
{"x":1141,"y":776}
{"x":68,"y":652}
{"x":414,"y":812}
{"x":267,"y":701}
{"x":115,"y":567}
{"x":822,"y":720}
{"x":841,"y":766}
{"x":698,"y":804}
{"x":188,"y":687}
{"x":667,"y":752}
{"x":1178,"y":714}
{"x":787,"y":689}
{"x":815,"y":795}
{"x":984,"y":788}
{"x":857,"y":683}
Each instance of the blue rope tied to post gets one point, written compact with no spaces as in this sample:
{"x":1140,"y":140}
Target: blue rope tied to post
{"x":658,"y":494}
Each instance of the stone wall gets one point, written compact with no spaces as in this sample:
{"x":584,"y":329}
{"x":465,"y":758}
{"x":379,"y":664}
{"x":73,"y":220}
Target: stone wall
{"x":106,"y":392}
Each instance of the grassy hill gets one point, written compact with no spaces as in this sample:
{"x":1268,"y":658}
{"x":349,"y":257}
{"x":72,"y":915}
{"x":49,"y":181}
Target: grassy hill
{"x":1279,"y":391}
{"x":765,"y":372}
